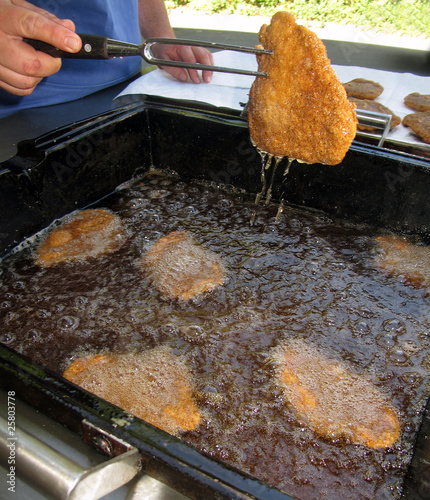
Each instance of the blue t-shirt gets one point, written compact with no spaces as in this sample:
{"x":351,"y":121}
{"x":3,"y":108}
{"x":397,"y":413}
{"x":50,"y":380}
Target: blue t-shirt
{"x":78,"y":78}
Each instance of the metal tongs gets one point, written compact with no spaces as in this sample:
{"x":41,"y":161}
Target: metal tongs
{"x":102,"y":47}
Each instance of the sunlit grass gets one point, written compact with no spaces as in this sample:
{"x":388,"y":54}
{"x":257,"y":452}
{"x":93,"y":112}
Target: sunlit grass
{"x":406,"y":17}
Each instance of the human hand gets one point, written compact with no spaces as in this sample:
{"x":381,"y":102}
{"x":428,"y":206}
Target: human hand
{"x":185,"y":53}
{"x":21,"y":66}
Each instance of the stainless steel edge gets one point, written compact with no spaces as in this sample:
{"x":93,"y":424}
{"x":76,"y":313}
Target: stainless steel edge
{"x":61,"y":478}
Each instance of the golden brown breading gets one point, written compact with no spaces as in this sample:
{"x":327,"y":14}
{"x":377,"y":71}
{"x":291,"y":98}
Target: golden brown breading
{"x":300,"y":109}
{"x":410,"y":262}
{"x":363,"y":89}
{"x":418,"y":102}
{"x":88,"y":233}
{"x":180,"y":268}
{"x":333,"y":400}
{"x":155,"y":386}
{"x":420,"y":123}
{"x":377,"y":107}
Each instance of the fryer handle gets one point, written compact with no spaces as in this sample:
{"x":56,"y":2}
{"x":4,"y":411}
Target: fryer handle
{"x":60,"y":477}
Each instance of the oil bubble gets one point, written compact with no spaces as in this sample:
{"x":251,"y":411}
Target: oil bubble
{"x":398,"y":357}
{"x":189,"y":210}
{"x":224,"y":203}
{"x":59,"y":307}
{"x":424,"y":335}
{"x":169,"y":329}
{"x":138,"y":202}
{"x":158,"y":193}
{"x":43,"y":313}
{"x":69,"y":323}
{"x":192,"y":333}
{"x":10,"y":317}
{"x":7,"y":338}
{"x":386,"y":340}
{"x":413,"y":379}
{"x":209,"y":395}
{"x":361,"y":328}
{"x":395,"y":326}
{"x":209,"y":389}
{"x":365,"y":313}
{"x":33,"y":335}
{"x":81,"y":302}
{"x":244,"y":313}
{"x":386,"y":375}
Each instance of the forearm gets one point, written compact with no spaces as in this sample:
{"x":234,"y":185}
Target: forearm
{"x":153,"y":19}
{"x":154,"y":22}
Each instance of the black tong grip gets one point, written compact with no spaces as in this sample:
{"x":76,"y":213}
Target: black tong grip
{"x":93,"y":47}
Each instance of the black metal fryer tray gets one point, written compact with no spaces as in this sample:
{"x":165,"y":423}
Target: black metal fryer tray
{"x":78,"y":165}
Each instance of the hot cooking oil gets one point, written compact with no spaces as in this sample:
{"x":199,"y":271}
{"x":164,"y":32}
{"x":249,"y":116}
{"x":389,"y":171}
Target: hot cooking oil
{"x":292,"y":277}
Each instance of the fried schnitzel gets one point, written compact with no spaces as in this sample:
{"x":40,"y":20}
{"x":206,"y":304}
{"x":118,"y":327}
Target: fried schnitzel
{"x":419,"y":122}
{"x":417,"y":101}
{"x":401,"y":258}
{"x":155,"y":386}
{"x":332,"y":399}
{"x":180,"y":268}
{"x":377,"y":107}
{"x":363,"y":89}
{"x":300,"y":110}
{"x":87,"y":234}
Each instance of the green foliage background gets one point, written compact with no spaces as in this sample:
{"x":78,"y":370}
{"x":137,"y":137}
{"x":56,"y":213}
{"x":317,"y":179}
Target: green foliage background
{"x":407,"y":17}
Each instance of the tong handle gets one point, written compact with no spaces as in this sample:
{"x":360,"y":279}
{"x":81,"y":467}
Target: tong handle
{"x":102,"y":47}
{"x":93,"y":47}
